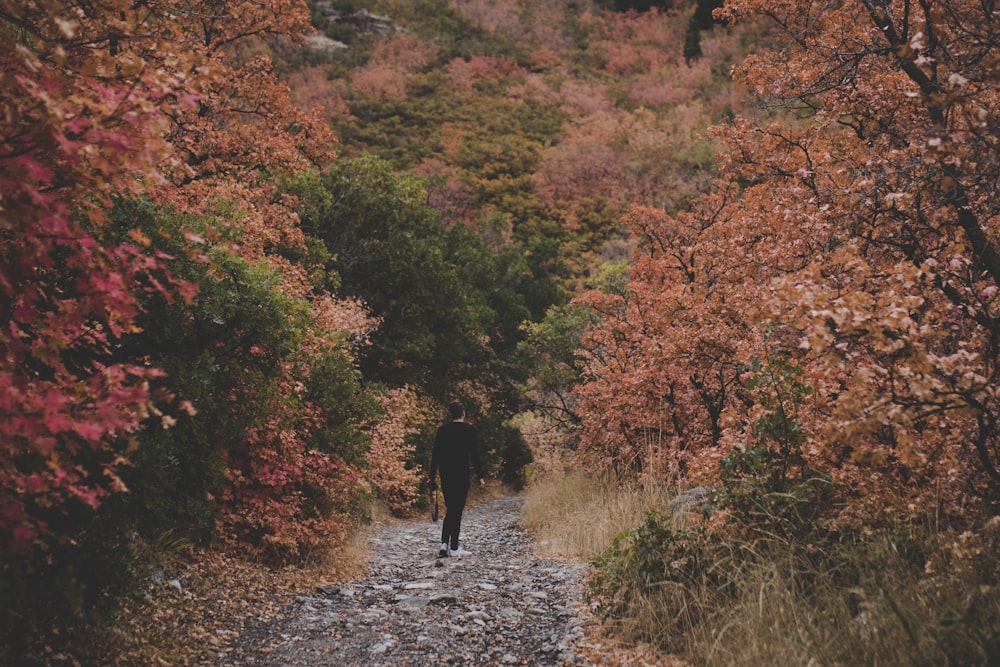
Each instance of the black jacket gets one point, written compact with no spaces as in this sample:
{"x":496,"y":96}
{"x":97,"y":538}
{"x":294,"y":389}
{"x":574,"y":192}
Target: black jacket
{"x":455,"y":450}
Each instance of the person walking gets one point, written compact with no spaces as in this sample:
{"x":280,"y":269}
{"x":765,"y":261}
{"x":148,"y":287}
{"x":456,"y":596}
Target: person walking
{"x":455,"y":449}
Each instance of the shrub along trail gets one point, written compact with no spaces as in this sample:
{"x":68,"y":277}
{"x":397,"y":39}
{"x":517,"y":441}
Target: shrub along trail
{"x":501,"y":605}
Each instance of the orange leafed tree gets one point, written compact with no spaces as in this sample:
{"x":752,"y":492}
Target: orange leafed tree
{"x":860,"y":248}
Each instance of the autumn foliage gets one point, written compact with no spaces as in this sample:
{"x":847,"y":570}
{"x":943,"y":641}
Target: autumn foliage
{"x":216,"y":330}
{"x":827,"y":312}
{"x":106,"y":102}
{"x":184,"y":362}
{"x":172,"y":360}
{"x":69,"y":142}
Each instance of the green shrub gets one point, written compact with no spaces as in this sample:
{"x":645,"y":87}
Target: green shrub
{"x":657,"y":583}
{"x":911,"y":598}
{"x":769,"y":488}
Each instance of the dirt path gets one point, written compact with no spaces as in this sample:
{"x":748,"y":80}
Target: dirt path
{"x":502,"y":605}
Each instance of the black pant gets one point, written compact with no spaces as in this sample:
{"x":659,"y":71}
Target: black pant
{"x":454,"y":505}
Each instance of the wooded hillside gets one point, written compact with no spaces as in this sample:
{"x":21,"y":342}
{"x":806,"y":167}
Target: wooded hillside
{"x":249,"y":251}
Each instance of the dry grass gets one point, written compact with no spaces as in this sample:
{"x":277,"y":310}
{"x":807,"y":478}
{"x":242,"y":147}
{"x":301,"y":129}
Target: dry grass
{"x":793,"y":611}
{"x":869,"y":603}
{"x":578,"y":516}
{"x":769,"y":622}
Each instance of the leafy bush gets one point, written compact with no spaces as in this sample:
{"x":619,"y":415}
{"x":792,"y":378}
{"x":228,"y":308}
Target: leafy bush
{"x":929,"y":598}
{"x":773,"y":586}
{"x":768,"y":488}
{"x":657,"y":583}
{"x":262,"y":431}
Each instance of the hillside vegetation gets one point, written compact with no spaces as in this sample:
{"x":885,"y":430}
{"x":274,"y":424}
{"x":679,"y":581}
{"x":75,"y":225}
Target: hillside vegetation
{"x":249,"y":251}
{"x":532,"y":124}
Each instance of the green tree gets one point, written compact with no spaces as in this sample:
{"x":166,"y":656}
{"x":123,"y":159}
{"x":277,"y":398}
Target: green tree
{"x":549,"y":350}
{"x":390,"y":250}
{"x":450,"y":306}
{"x":225,"y":352}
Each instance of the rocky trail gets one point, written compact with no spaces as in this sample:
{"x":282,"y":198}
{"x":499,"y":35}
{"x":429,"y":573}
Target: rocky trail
{"x":501,"y":605}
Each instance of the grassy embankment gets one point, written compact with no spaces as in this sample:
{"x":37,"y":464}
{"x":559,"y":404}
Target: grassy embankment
{"x":918,"y":597}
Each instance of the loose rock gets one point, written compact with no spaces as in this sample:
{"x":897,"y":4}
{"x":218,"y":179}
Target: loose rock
{"x":501,"y":605}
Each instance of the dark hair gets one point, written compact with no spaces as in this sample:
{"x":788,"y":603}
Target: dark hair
{"x":456,"y":409}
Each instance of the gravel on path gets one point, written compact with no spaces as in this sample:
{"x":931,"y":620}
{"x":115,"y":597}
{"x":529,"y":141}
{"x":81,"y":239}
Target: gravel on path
{"x":501,"y":605}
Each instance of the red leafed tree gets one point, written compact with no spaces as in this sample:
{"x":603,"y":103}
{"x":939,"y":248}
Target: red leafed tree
{"x":464,"y":74}
{"x":636,"y":42}
{"x":861,"y":249}
{"x":385,"y":76}
{"x":102,"y":100}
{"x":80,"y":123}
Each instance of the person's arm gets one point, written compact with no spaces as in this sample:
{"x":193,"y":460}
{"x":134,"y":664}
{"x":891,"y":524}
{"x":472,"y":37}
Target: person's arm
{"x":474,"y":455}
{"x":435,"y":462}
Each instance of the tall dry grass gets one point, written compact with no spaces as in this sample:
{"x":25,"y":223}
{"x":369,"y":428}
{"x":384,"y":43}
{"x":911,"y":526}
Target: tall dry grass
{"x":865,"y":605}
{"x":574,"y":515}
{"x":729,"y":602}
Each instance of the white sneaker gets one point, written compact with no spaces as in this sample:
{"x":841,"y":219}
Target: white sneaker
{"x":443,"y":552}
{"x":460,"y":552}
